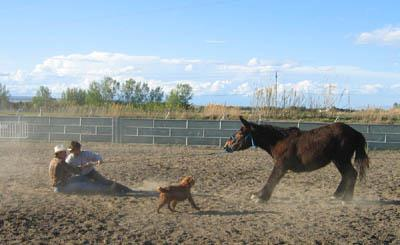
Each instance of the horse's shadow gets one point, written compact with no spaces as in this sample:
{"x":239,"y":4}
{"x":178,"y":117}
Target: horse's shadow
{"x":377,"y":202}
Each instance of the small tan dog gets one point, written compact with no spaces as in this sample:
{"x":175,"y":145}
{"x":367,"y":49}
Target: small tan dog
{"x":173,"y":194}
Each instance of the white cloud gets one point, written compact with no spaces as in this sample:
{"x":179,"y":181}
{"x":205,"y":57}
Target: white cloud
{"x":180,"y":61}
{"x":202,"y":88}
{"x":19,"y":76}
{"x":389,"y":35}
{"x":219,"y":85}
{"x":305,"y":85}
{"x":93,"y":65}
{"x":371,"y":88}
{"x":16,"y":76}
{"x":244,"y":89}
{"x":261,"y":68}
{"x":252,"y":62}
{"x":189,"y":67}
{"x":206,"y":77}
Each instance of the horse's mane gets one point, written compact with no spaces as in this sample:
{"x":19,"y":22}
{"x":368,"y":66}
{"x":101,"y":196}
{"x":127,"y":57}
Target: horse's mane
{"x":279,"y":131}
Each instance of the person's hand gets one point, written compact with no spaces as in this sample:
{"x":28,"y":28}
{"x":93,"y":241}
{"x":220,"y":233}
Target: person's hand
{"x":99,"y":162}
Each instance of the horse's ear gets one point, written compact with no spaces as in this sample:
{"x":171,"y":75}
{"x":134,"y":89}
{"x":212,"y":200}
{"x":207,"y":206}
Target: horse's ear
{"x":245,"y":122}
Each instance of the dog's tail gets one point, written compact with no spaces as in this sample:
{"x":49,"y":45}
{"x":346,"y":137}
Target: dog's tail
{"x":162,"y":190}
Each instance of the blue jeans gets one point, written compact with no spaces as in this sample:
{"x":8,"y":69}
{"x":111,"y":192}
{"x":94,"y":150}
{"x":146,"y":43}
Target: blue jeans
{"x":82,"y":184}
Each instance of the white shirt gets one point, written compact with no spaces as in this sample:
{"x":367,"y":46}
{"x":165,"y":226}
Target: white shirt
{"x":83,"y":158}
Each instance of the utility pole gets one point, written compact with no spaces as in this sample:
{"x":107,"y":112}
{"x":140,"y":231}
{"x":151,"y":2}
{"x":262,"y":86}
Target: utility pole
{"x":330,"y":100}
{"x":276,"y":89}
{"x":348,"y":100}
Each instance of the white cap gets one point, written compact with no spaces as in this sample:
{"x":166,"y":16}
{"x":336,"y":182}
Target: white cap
{"x":59,"y":148}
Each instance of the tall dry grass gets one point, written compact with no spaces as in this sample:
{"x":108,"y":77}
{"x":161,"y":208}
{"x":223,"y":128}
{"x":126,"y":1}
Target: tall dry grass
{"x":289,"y":104}
{"x":221,"y":112}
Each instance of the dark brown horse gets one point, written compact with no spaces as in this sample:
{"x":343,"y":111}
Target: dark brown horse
{"x":305,"y":151}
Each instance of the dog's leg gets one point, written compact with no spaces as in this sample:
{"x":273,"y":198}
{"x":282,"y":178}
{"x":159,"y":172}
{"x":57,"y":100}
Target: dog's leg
{"x":190,"y":198}
{"x":173,"y":204}
{"x":169,"y":206}
{"x":162,"y":203}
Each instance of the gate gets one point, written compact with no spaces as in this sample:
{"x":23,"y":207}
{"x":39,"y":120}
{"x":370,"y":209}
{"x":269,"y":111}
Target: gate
{"x":13,"y":130}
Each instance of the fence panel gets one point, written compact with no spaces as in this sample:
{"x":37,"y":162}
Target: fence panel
{"x":149,"y":131}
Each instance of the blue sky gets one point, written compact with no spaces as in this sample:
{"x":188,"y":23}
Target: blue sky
{"x":225,"y":49}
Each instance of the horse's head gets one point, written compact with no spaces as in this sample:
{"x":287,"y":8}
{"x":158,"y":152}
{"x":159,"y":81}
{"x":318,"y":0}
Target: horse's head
{"x":241,"y":139}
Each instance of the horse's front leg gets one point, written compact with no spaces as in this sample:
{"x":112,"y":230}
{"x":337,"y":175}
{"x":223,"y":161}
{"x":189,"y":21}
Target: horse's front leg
{"x":278,"y":172}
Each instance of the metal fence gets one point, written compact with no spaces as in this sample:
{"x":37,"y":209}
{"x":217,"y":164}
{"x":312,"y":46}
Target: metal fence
{"x":13,"y":130}
{"x":149,"y":131}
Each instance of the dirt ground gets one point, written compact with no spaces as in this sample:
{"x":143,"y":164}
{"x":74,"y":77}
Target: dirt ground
{"x":299,"y":212}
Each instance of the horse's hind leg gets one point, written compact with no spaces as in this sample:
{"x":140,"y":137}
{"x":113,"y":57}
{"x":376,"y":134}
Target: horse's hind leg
{"x":351,"y":177}
{"x":277,"y":173}
{"x":345,"y":189}
{"x":340,"y":189}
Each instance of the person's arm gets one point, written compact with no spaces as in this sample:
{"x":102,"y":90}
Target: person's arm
{"x":93,"y":157}
{"x":69,"y":159}
{"x":71,"y":168}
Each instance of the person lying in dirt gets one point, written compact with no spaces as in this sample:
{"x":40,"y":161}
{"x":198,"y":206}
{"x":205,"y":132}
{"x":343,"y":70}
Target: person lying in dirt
{"x":80,"y":158}
{"x":63,"y":179}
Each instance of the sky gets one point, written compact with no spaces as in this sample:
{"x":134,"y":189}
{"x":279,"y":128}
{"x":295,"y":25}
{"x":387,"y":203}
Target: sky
{"x":226,"y":50}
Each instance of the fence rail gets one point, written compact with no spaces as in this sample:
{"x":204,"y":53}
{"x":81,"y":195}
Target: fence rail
{"x":149,"y":131}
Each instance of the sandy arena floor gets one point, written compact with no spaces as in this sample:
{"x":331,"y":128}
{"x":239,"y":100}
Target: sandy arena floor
{"x":300,"y":210}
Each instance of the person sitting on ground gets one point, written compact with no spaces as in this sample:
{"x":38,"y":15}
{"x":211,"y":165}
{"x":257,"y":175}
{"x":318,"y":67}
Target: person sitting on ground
{"x":63,"y":177}
{"x":78,"y":157}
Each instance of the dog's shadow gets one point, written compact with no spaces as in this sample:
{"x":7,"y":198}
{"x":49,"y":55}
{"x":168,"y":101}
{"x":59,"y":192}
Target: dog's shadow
{"x":232,"y":212}
{"x":142,"y":194}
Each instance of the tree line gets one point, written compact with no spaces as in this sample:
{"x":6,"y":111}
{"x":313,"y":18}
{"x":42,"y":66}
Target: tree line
{"x":107,"y":91}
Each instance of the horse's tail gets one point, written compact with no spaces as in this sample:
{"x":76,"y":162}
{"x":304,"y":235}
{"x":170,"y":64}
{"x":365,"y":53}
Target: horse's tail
{"x":361,"y":159}
{"x":162,"y":190}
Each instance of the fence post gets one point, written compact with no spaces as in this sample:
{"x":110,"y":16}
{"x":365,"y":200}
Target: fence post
{"x":115,"y":130}
{"x":49,"y":123}
{"x":80,"y":132}
{"x":112,"y":130}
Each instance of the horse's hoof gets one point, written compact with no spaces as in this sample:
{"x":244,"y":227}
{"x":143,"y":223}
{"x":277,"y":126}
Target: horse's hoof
{"x":256,"y":199}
